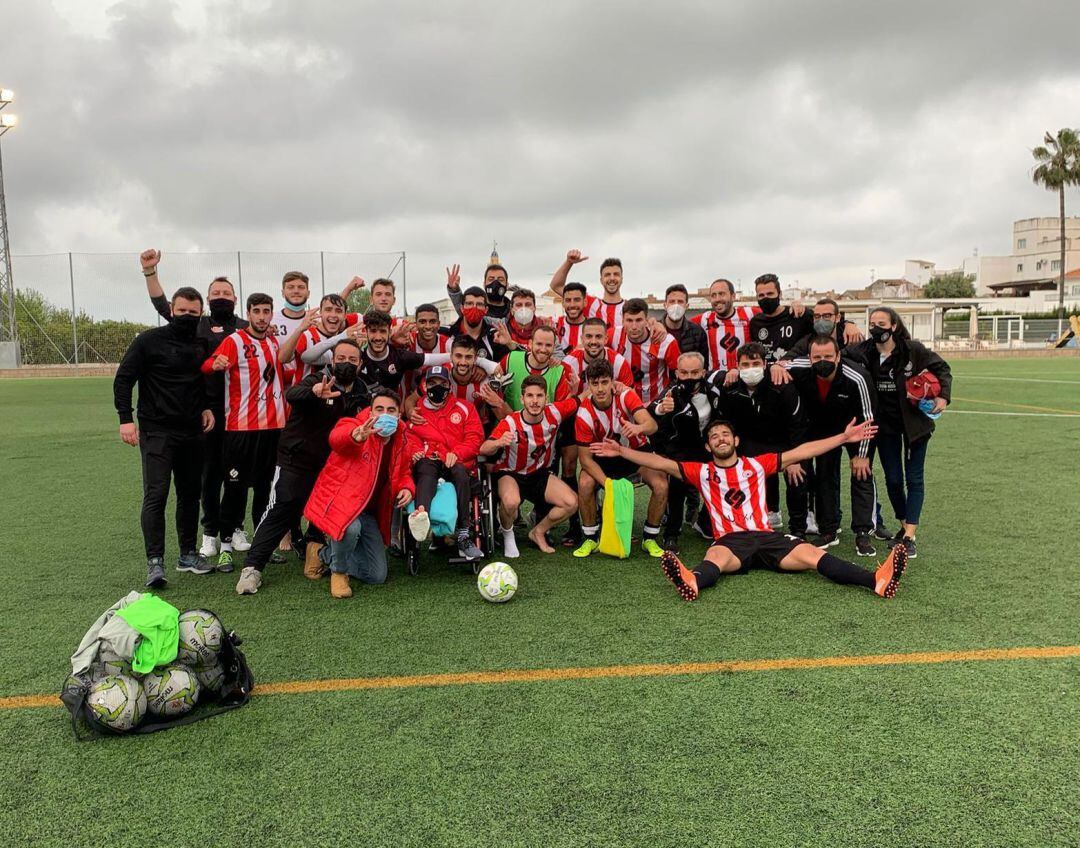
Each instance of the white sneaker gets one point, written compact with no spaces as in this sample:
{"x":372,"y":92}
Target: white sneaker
{"x":811,"y":523}
{"x":419,"y":524}
{"x":775,"y":520}
{"x":240,"y":541}
{"x":209,"y":546}
{"x":249,"y":582}
{"x":510,"y":548}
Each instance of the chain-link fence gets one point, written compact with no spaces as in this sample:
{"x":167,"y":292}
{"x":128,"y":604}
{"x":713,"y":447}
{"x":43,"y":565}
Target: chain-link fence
{"x":85,"y":308}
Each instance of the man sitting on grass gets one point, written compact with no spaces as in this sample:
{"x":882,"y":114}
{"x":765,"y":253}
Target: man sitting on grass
{"x":733,"y":491}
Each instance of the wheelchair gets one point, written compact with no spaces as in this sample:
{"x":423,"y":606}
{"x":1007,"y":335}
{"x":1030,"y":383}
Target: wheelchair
{"x":482,"y":520}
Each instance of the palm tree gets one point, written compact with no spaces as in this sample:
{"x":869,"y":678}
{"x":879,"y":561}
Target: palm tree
{"x":1058,"y":159}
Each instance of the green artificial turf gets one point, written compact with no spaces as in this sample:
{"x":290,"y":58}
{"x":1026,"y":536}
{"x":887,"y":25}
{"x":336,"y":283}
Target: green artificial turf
{"x":959,"y":754}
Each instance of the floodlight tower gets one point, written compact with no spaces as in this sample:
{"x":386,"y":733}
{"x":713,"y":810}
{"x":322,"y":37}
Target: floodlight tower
{"x":8,"y":328}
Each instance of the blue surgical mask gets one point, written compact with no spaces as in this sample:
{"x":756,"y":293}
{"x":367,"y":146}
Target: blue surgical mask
{"x":296,"y":307}
{"x":386,"y":425}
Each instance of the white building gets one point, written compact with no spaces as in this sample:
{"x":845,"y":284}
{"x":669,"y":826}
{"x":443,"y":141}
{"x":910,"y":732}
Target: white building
{"x":1035,"y":254}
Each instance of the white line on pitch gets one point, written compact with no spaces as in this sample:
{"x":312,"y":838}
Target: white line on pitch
{"x":1018,"y":379}
{"x":1017,"y":414}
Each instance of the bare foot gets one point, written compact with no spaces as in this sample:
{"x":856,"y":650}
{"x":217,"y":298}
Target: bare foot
{"x":536,"y":536}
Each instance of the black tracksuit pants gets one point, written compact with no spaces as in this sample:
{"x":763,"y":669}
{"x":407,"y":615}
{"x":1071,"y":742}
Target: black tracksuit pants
{"x":169,"y":455}
{"x":825,"y":486}
{"x":249,"y":464}
{"x":213,"y":474}
{"x":291,"y":489}
{"x":427,"y":472}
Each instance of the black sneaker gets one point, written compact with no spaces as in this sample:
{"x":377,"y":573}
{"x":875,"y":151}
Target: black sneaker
{"x":896,"y":538}
{"x":826,"y":540}
{"x":396,"y":552}
{"x":155,"y":573}
{"x":194,"y":563}
{"x":909,"y":545}
{"x":882,"y":532}
{"x":671,"y":543}
{"x":864,"y":546}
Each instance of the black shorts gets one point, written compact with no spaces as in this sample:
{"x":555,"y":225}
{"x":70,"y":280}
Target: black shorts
{"x":565,"y":435}
{"x":532,"y":486}
{"x":616,"y":467}
{"x":759,"y":548}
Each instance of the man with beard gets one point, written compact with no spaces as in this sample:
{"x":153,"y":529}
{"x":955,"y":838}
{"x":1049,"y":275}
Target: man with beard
{"x":681,"y":415}
{"x":726,"y":325}
{"x":733,"y":490}
{"x":525,"y":442}
{"x":329,"y":319}
{"x":689,"y":336}
{"x":619,"y":415}
{"x":254,"y":416}
{"x":652,"y":363}
{"x":468,"y":383}
{"x":538,"y":360}
{"x":569,"y":325}
{"x":445,"y":447}
{"x":473,"y":323}
{"x":426,"y":338}
{"x":213,"y":329}
{"x":173,"y":416}
{"x":777,"y":328}
{"x":496,"y":280}
{"x":609,"y":308}
{"x":316,"y":404}
{"x":594,"y":349}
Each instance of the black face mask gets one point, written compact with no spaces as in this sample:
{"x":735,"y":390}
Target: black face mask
{"x":823,"y":368}
{"x":690,"y":386}
{"x":880,"y":335}
{"x":768,"y":304}
{"x":496,"y":291}
{"x":437,"y":393}
{"x":222,"y":309}
{"x":186,"y":325}
{"x":345,"y":373}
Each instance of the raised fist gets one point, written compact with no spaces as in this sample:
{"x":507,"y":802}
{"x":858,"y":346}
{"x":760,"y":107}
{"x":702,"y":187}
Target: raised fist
{"x":149,"y":259}
{"x":574,"y":257}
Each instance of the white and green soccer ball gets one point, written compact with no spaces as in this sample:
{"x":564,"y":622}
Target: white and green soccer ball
{"x":117,"y":701}
{"x":111,"y":663}
{"x":171,"y":691}
{"x":201,"y":635}
{"x":497,"y":582}
{"x":210,"y":678}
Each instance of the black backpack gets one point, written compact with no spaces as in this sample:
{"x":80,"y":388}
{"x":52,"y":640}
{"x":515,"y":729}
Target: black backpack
{"x":235,"y":691}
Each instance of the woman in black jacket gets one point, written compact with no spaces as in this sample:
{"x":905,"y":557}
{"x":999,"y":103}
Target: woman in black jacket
{"x":892,"y":357}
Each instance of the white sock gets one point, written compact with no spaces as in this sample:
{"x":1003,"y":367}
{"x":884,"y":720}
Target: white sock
{"x":510,"y":548}
{"x":226,"y":546}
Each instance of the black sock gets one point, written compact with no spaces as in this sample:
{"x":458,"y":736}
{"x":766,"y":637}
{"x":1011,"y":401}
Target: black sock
{"x":707,"y":574}
{"x":841,"y":571}
{"x":649,"y":532}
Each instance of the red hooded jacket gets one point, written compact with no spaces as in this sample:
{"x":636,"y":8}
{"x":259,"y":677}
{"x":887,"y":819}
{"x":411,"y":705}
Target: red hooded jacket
{"x":344,"y":487}
{"x":455,"y":428}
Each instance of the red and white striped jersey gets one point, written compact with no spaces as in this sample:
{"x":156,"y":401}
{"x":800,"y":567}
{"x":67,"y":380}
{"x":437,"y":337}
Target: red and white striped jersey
{"x":297,"y":370}
{"x":726,"y":335}
{"x":735,"y":496}
{"x":609,"y":313}
{"x":652,"y":364}
{"x":575,"y":361}
{"x":442,"y":345}
{"x":254,"y":383}
{"x":534,"y":444}
{"x":594,"y":424}
{"x":567,"y":335}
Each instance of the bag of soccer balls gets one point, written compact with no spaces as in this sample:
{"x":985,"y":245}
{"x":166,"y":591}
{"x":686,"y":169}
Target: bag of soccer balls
{"x":209,"y":676}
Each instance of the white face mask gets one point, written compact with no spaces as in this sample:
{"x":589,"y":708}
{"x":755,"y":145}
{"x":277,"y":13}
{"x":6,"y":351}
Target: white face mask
{"x":676,"y":311}
{"x":752,"y":376}
{"x":523,"y":315}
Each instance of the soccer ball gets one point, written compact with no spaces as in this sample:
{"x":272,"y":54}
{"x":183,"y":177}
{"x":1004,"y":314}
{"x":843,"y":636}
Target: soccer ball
{"x":110,"y":663}
{"x":497,"y":582}
{"x":201,"y":635}
{"x":171,"y":691}
{"x":117,"y":701}
{"x":211,"y":677}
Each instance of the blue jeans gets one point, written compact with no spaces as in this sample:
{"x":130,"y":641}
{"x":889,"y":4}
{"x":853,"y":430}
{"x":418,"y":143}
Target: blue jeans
{"x":361,"y":552}
{"x":903,"y":463}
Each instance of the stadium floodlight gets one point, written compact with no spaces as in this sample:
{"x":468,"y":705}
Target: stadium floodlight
{"x":8,"y":121}
{"x":6,"y":95}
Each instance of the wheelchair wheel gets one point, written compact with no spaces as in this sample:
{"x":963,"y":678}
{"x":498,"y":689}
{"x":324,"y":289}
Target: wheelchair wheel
{"x":412,"y":558}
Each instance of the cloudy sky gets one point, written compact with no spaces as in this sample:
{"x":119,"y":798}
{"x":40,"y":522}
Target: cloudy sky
{"x":693,"y":139}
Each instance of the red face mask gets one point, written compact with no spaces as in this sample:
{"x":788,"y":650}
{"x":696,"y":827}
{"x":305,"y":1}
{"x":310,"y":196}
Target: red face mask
{"x":473,"y":315}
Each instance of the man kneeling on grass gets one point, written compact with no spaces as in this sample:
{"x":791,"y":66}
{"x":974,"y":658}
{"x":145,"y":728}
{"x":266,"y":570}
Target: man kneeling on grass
{"x":353,"y":499}
{"x":733,"y":491}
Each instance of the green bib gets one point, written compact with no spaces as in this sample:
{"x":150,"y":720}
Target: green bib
{"x":516,"y":368}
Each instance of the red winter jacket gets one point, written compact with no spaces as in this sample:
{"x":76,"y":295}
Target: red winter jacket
{"x":345,"y":484}
{"x":455,"y":428}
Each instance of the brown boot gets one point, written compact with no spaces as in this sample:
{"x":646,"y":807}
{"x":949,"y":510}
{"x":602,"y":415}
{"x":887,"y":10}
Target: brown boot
{"x":339,"y":585}
{"x":314,"y":569}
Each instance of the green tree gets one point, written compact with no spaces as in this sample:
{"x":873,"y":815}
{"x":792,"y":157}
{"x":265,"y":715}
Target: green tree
{"x":1058,"y":159}
{"x":953,"y":284}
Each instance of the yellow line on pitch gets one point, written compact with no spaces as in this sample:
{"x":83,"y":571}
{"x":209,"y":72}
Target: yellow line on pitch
{"x":1019,"y":405}
{"x":540,"y":675}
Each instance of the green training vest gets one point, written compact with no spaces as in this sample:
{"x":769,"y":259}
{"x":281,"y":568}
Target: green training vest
{"x":516,"y":368}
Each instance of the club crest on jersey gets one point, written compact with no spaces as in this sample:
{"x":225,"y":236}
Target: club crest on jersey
{"x":735,"y":498}
{"x":392,"y":369}
{"x":455,"y":418}
{"x":763,"y":334}
{"x":233,"y":474}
